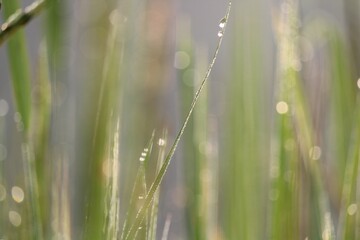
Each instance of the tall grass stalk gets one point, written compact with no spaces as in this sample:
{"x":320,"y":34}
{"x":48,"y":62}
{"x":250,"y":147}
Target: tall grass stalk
{"x":112,"y":171}
{"x":106,"y":102}
{"x":19,"y":65}
{"x":155,"y":185}
{"x":40,"y":130}
{"x":244,"y":135}
{"x":195,"y":138}
{"x":21,"y":82}
{"x":296,"y":119}
{"x":153,"y":222}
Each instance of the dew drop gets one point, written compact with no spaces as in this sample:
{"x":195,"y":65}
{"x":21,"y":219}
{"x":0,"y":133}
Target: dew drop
{"x":358,"y":83}
{"x":222,"y":23}
{"x":141,"y":159}
{"x":15,"y":218}
{"x":352,"y":209}
{"x":141,"y":197}
{"x":114,"y":17}
{"x":220,"y":33}
{"x":18,"y":121}
{"x":282,"y":107}
{"x":146,"y":150}
{"x":17,"y":117}
{"x":161,"y":142}
{"x":17,"y":194}
{"x":315,"y":153}
{"x":143,"y":154}
{"x":182,"y":60}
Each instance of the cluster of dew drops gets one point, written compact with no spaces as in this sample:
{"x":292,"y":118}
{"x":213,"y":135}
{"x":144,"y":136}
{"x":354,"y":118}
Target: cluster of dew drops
{"x":222,"y":26}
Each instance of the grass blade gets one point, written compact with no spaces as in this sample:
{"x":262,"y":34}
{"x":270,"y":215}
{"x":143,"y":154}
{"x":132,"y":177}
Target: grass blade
{"x":139,"y":188}
{"x":141,"y":214}
{"x":112,"y":164}
{"x":19,"y":19}
{"x":155,"y":203}
{"x":19,"y":66}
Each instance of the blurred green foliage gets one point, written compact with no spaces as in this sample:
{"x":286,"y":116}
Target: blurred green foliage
{"x":271,"y":154}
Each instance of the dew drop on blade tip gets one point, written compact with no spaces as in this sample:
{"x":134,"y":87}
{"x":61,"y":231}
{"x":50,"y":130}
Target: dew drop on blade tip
{"x":220,"y":33}
{"x":222,"y":23}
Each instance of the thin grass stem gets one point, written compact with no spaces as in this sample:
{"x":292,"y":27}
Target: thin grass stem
{"x":141,"y":214}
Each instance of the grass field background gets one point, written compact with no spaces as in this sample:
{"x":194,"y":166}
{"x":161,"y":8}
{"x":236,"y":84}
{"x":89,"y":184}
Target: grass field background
{"x":93,"y":95}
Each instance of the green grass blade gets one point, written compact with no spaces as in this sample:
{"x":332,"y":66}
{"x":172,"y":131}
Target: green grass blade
{"x":19,"y":67}
{"x":190,"y":147}
{"x":244,"y":152}
{"x":139,"y":188}
{"x":30,"y":178}
{"x":104,"y":96}
{"x":142,"y":212}
{"x":112,"y":165}
{"x":20,"y":71}
{"x":347,"y":221}
{"x":155,"y":203}
{"x":293,"y":96}
{"x":40,"y":131}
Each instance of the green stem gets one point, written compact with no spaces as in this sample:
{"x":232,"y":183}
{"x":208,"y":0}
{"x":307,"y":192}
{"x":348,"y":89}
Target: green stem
{"x":141,"y":214}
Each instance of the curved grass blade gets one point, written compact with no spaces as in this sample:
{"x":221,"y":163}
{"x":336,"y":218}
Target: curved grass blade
{"x":142,"y":212}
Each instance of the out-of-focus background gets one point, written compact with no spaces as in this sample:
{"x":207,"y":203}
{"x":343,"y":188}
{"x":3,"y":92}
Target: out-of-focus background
{"x":93,"y":94}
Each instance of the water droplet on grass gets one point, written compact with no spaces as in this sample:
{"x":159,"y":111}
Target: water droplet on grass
{"x":220,"y":33}
{"x":182,"y":60}
{"x":282,"y":107}
{"x":17,"y":194}
{"x":161,"y":142}
{"x":222,"y":23}
{"x":352,"y":209}
{"x":15,"y":218}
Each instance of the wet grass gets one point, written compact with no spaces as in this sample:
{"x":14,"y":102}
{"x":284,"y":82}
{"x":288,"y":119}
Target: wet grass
{"x":271,"y":154}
